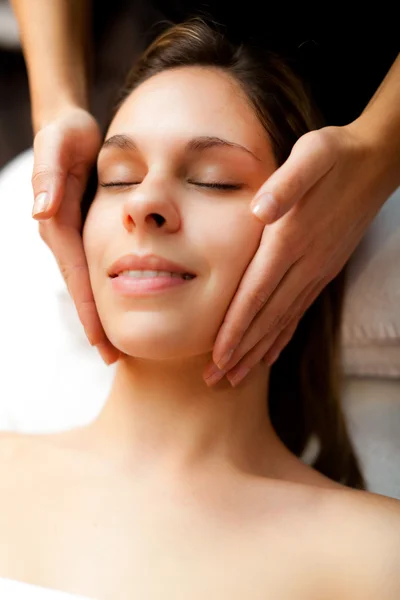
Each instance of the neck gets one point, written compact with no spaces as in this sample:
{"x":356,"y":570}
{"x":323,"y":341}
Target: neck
{"x":162,"y":415}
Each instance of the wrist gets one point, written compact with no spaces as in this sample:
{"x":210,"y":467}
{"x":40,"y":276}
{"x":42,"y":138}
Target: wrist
{"x":44,"y":112}
{"x":382,"y":144}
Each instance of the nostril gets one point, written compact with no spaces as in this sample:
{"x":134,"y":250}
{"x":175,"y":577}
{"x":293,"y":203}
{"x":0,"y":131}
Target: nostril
{"x":158,"y":219}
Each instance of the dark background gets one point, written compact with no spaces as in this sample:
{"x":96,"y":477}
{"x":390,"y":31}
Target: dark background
{"x":342,"y":58}
{"x":116,"y":42}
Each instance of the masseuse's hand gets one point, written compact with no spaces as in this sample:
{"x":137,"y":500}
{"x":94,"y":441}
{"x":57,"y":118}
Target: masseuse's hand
{"x":64,"y":152}
{"x":316,"y":208}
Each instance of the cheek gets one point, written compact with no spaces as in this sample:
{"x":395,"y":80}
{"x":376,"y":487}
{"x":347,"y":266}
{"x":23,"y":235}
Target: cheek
{"x":235,"y":239}
{"x":228,"y":240}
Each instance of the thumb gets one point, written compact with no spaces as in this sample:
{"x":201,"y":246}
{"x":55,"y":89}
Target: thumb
{"x":49,"y":174}
{"x":312,"y":156}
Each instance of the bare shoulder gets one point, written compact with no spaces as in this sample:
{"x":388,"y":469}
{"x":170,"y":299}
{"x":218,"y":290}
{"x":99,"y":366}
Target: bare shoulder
{"x":24,"y":489}
{"x":31,"y":470}
{"x":22,"y":455}
{"x":363,"y":529}
{"x":14,"y":444}
{"x":17,"y":452}
{"x":11,"y":444}
{"x":377,"y":514}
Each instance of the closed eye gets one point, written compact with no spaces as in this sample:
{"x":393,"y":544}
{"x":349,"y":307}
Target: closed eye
{"x":212,"y":185}
{"x":119,"y":183}
{"x":218,"y":185}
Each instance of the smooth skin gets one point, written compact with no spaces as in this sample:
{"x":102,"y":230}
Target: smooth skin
{"x":180,"y":490}
{"x":329,"y":189}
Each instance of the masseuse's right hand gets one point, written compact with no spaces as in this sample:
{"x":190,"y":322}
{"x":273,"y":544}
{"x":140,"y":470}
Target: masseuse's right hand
{"x":65,"y":149}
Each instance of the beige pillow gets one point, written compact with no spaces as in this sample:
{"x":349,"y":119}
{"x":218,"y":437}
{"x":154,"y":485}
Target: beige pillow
{"x":371,"y":319}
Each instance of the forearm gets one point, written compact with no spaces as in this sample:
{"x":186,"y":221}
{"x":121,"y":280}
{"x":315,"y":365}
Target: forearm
{"x":380,"y":123}
{"x":56,"y":40}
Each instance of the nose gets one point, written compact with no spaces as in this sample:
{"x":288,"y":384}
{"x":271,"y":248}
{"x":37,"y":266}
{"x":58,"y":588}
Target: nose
{"x":151,"y":207}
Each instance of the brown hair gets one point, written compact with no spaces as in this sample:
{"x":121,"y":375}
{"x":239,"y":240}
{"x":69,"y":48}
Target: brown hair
{"x":304,"y":394}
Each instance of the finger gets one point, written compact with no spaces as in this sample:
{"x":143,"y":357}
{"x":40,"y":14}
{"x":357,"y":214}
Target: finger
{"x":257,"y":330}
{"x":49,"y":177}
{"x":73,"y":267}
{"x":252,"y":358}
{"x":108,"y":352}
{"x":244,"y":352}
{"x":282,"y":340}
{"x":236,"y":375}
{"x":286,"y":335}
{"x":312,"y":156}
{"x":263,"y":275}
{"x":67,"y":247}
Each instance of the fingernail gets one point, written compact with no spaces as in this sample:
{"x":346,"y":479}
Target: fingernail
{"x":105,"y":353}
{"x":272,"y":358}
{"x":214,"y":375}
{"x":41,"y":203}
{"x":265,"y":207}
{"x":91,"y":340}
{"x":225,"y":359}
{"x":237,"y":378}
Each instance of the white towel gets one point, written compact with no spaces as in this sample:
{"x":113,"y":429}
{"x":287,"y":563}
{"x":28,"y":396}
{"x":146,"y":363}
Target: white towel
{"x":11,"y":589}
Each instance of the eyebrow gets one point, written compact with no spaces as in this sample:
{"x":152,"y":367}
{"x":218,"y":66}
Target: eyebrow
{"x":197,"y":144}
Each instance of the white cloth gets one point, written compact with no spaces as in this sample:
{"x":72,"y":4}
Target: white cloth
{"x":10,"y":589}
{"x":57,"y":380}
{"x":371,"y":312}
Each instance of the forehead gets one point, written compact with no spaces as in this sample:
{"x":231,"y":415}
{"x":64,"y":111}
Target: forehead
{"x":190,"y":102}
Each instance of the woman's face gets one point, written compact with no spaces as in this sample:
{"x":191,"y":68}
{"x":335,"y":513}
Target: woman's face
{"x":186,"y":129}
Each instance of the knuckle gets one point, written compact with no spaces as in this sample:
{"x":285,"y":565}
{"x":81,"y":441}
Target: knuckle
{"x":327,"y":138}
{"x":321,"y":140}
{"x":304,"y":142}
{"x":69,"y":271}
{"x":285,"y":320}
{"x":64,"y":272}
{"x":43,"y":173}
{"x":40,"y":172}
{"x":320,"y":145}
{"x":272,"y":324}
{"x":258,"y":298}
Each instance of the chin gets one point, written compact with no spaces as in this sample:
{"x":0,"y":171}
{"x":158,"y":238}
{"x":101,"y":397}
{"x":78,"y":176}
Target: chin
{"x":160,"y":343}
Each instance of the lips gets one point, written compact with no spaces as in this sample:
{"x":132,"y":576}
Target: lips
{"x":150,"y":262}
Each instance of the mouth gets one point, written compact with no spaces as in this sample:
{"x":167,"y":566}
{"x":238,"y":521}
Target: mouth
{"x":148,"y":266}
{"x":147,"y":274}
{"x":145,"y":283}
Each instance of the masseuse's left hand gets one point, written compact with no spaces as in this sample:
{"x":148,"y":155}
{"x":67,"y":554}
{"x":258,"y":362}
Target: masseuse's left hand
{"x":316,"y":208}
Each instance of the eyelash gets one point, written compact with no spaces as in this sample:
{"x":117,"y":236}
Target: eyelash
{"x":118,"y":184}
{"x":218,"y":186}
{"x":213,"y":185}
